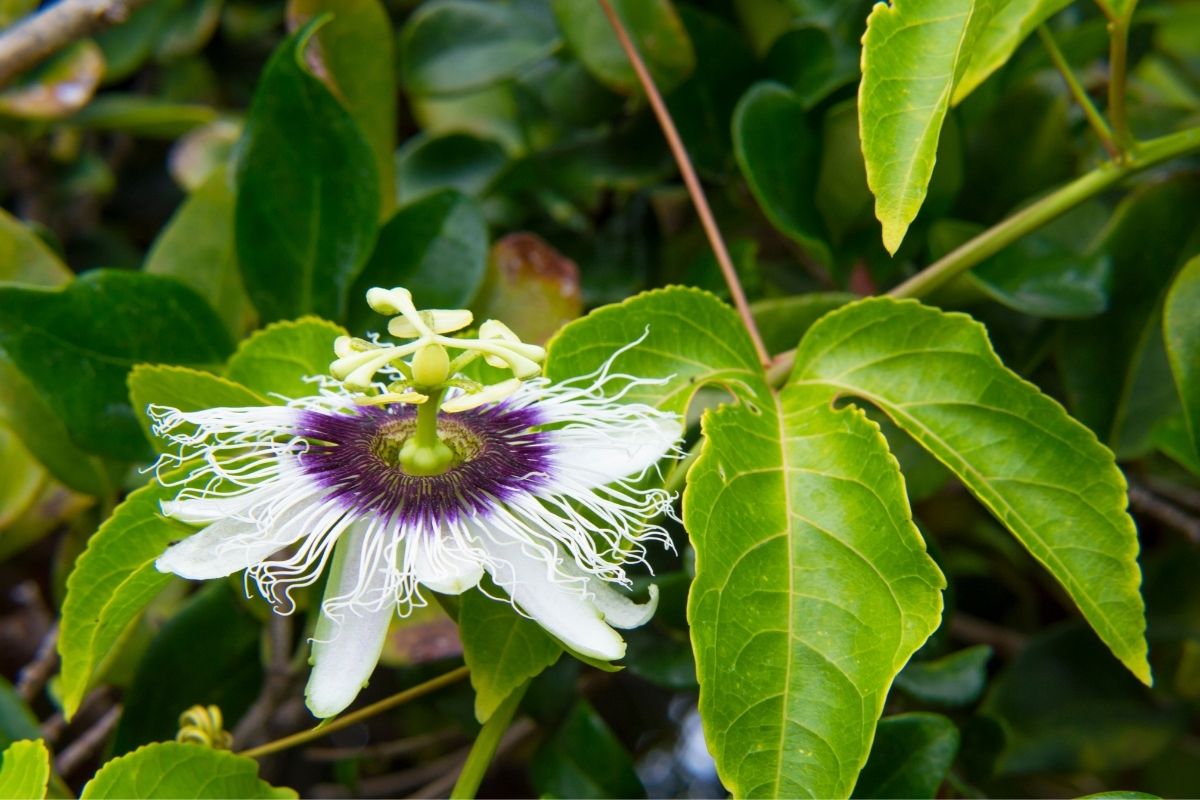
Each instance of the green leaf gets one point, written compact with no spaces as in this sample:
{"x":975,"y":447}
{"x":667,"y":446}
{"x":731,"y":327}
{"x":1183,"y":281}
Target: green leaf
{"x":436,"y":248}
{"x":530,"y":286}
{"x":1007,"y":28}
{"x":842,"y":195}
{"x":783,"y":321}
{"x":353,"y":53}
{"x":176,"y":770}
{"x":914,"y":52}
{"x":277,"y":359}
{"x":138,"y":115}
{"x":112,"y":582}
{"x":184,"y":389}
{"x":1181,"y":332}
{"x":23,"y":479}
{"x":426,"y":164}
{"x":456,"y":45}
{"x":197,"y":248}
{"x":307,"y":192}
{"x":76,"y":345}
{"x":812,"y":590}
{"x":653,"y":25}
{"x":584,"y":759}
{"x":1042,"y":474}
{"x":503,"y":649}
{"x":16,"y":720}
{"x":1040,"y":277}
{"x":25,"y":770}
{"x":207,"y":653}
{"x":910,"y":758}
{"x":777,"y":151}
{"x":953,"y":680}
{"x":24,"y":258}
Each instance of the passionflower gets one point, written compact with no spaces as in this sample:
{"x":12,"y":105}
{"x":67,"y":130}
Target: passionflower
{"x":401,"y":475}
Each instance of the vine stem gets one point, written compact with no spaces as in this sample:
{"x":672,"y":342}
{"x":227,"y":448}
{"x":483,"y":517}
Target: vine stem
{"x":690,"y":180}
{"x":1118,"y":56}
{"x":1098,"y":123}
{"x":346,"y":720}
{"x":484,"y":748}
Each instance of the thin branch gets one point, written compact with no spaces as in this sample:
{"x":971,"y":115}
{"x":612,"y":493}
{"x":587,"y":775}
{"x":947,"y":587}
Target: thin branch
{"x":37,"y":37}
{"x":1098,"y":123}
{"x":35,"y":674}
{"x":88,"y":744}
{"x":276,"y":687}
{"x":1147,"y":502}
{"x":346,"y":720}
{"x":390,"y":749}
{"x":979,"y":631}
{"x":1118,"y":56}
{"x":690,"y":180}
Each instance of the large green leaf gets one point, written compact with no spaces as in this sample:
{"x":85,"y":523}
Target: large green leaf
{"x":24,"y":258}
{"x":1181,"y":331}
{"x":175,"y":770}
{"x":653,"y":25}
{"x":75,"y":347}
{"x":914,"y":52}
{"x":111,"y":583}
{"x":307,"y":191}
{"x":812,"y":590}
{"x":1042,"y":474}
{"x":426,"y":164}
{"x":1008,"y":27}
{"x":456,"y":45}
{"x":503,"y":649}
{"x":25,"y":770}
{"x":184,"y":389}
{"x":910,"y":758}
{"x":278,"y":359}
{"x":435,"y":247}
{"x":197,"y":247}
{"x":353,"y":53}
{"x":778,"y":153}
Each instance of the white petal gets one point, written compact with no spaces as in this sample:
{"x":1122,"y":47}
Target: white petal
{"x":202,"y":510}
{"x":445,"y":571}
{"x":559,"y":608}
{"x":213,"y":553}
{"x":597,"y":457}
{"x":618,"y":610}
{"x":345,"y":652}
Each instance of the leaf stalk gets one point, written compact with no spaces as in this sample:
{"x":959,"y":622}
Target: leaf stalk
{"x":484,"y":748}
{"x":1098,"y":123}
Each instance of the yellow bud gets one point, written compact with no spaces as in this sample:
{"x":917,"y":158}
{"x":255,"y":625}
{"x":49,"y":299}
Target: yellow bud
{"x":431,"y":365}
{"x":389,"y":301}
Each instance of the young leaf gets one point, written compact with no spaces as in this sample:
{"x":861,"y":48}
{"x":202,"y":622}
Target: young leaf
{"x":777,"y":151}
{"x":1042,"y":474}
{"x":25,"y":770}
{"x":176,"y":770}
{"x":812,"y":590}
{"x":76,"y":346}
{"x":307,"y":192}
{"x":113,"y":580}
{"x":910,"y":758}
{"x":277,"y":359}
{"x":914,"y":52}
{"x":1181,"y":331}
{"x":1007,"y":28}
{"x":197,"y":248}
{"x":503,"y":649}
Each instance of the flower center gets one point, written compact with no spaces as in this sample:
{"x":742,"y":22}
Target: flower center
{"x":389,"y":442}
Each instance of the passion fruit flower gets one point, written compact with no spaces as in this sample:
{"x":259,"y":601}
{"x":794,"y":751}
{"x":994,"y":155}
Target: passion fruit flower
{"x":535,"y":483}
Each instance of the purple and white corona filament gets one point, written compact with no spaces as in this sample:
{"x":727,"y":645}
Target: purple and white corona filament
{"x":540,"y":491}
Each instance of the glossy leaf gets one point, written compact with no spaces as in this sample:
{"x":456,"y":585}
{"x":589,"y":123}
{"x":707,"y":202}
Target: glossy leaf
{"x":1040,"y":277}
{"x":457,"y":45}
{"x":914,"y":53}
{"x":1042,"y":474}
{"x":92,"y":332}
{"x":141,"y":116}
{"x":778,"y":154}
{"x":426,"y":164}
{"x":172,"y":769}
{"x":1008,"y":27}
{"x":435,"y":247}
{"x":307,"y":194}
{"x":953,"y":680}
{"x":353,"y":54}
{"x":503,"y":649}
{"x":842,"y":195}
{"x":910,"y":758}
{"x":277,"y":359}
{"x":584,"y":759}
{"x":25,"y":770}
{"x":112,"y":582}
{"x":656,"y":31}
{"x":184,"y":389}
{"x":197,"y":248}
{"x":1181,"y":332}
{"x":24,"y":258}
{"x":783,"y":321}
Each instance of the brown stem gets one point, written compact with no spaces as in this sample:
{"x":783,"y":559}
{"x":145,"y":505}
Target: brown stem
{"x":276,"y":687}
{"x":35,"y":38}
{"x":979,"y":631}
{"x":35,"y":674}
{"x":690,"y":180}
{"x":88,"y":744}
{"x":1147,"y":502}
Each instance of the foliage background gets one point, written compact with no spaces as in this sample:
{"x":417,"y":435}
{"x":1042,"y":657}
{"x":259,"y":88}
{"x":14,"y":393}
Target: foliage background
{"x":500,"y":155}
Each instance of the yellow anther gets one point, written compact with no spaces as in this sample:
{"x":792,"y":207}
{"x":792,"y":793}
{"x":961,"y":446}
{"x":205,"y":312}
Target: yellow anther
{"x":495,"y":329}
{"x":387,"y":398}
{"x":346,"y":346}
{"x":438,"y":320}
{"x":490,"y":394}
